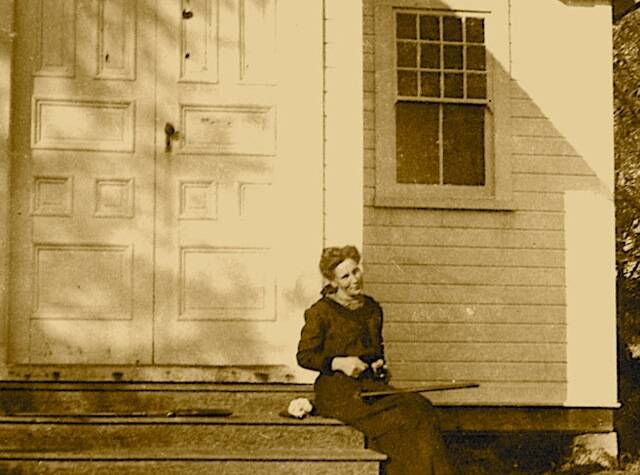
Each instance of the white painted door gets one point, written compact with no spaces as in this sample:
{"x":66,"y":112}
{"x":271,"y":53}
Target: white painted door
{"x":127,"y":249}
{"x":240,"y":188}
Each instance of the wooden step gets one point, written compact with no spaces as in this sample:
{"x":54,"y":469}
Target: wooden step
{"x":256,"y":462}
{"x":57,"y":397}
{"x":184,"y":433}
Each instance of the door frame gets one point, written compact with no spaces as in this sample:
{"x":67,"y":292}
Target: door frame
{"x":342,"y":82}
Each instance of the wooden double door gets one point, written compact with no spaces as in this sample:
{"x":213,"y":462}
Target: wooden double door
{"x":166,"y":180}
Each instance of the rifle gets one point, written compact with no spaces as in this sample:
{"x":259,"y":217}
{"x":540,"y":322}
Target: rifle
{"x":419,"y":389}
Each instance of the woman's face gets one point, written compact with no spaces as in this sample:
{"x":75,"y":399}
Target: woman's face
{"x":348,"y":279}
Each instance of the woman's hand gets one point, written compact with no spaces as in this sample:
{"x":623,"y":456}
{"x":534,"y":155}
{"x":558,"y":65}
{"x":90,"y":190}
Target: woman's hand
{"x":350,"y":365}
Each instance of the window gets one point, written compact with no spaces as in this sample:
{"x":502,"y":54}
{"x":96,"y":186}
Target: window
{"x":440,"y":111}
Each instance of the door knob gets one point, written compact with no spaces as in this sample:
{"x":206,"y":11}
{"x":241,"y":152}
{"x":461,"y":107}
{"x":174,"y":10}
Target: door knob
{"x":171,"y":134}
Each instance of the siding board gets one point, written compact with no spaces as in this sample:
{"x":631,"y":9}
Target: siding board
{"x":480,"y":372}
{"x":498,"y":393}
{"x":472,"y":275}
{"x":476,"y":352}
{"x":464,"y":256}
{"x":464,"y":219}
{"x":554,"y":183}
{"x":543,"y":146}
{"x":534,"y":127}
{"x":467,"y":237}
{"x":525,"y":107}
{"x":470,"y":294}
{"x":550,"y":165}
{"x":473,"y":333}
{"x":475,"y":314}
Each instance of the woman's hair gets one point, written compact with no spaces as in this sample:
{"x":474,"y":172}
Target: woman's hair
{"x":333,"y":256}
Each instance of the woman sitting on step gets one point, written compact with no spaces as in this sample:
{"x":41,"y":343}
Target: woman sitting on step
{"x":342,"y":339}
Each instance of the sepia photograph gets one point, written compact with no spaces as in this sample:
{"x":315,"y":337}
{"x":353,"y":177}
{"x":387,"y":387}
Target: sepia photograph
{"x":318,"y":237}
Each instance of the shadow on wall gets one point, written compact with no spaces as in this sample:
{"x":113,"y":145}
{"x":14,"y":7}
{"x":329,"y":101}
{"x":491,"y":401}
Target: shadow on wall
{"x":499,"y":297}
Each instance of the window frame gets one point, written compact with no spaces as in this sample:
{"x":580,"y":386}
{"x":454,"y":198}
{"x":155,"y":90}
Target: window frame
{"x":496,"y":192}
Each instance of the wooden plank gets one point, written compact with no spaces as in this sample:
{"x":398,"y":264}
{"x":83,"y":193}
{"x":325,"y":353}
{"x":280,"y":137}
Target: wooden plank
{"x":369,"y":101}
{"x":368,"y":82}
{"x":499,"y":393}
{"x":369,"y":193}
{"x":368,"y":43}
{"x":471,"y":294}
{"x":487,"y":352}
{"x":476,"y":275}
{"x":467,"y":237}
{"x":516,"y":91}
{"x":464,"y":218}
{"x":536,"y":182}
{"x":473,"y":333}
{"x":369,"y":176}
{"x":543,"y":146}
{"x":369,"y":120}
{"x":538,"y":201}
{"x":525,"y":419}
{"x":525,"y":108}
{"x":464,"y":256}
{"x":369,"y":138}
{"x":550,"y":165}
{"x":368,"y":27}
{"x":369,"y":158}
{"x":475,"y":314}
{"x":480,"y":372}
{"x":533,"y":127}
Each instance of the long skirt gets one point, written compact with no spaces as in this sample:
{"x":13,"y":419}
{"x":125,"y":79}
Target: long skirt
{"x":402,"y":426}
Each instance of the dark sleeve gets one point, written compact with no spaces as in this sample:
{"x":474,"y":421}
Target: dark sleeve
{"x":380,"y":341}
{"x":311,"y":351}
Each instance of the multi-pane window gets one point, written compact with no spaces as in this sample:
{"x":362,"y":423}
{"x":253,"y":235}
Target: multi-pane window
{"x":441,"y":98}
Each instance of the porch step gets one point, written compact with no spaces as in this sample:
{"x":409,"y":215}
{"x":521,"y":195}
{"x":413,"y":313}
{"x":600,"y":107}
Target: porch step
{"x":60,"y":397}
{"x":179,"y":433}
{"x":255,"y":462}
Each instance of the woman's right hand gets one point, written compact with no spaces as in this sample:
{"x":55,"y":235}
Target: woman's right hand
{"x":350,"y":365}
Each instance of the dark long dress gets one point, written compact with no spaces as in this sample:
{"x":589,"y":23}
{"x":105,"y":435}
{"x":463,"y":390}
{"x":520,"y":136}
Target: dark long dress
{"x":402,"y":426}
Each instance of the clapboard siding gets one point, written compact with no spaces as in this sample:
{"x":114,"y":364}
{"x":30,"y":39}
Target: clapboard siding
{"x":471,"y":294}
{"x":498,"y":393}
{"x":464,"y":219}
{"x":549,"y":165}
{"x":480,"y":372}
{"x":474,"y":332}
{"x":461,"y":256}
{"x":476,"y":314}
{"x":490,"y":352}
{"x":554,"y":183}
{"x":464,"y":237}
{"x":471,"y":275}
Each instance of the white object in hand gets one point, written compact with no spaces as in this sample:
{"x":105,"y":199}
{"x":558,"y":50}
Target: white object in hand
{"x":300,"y":407}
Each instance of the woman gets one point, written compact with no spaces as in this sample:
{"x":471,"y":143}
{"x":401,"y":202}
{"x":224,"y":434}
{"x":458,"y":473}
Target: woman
{"x":342,"y":339}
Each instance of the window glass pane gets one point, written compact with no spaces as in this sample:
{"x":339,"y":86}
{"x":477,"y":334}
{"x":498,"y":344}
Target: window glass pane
{"x":407,"y":83}
{"x":417,"y":151}
{"x":430,"y":84}
{"x":429,"y":27}
{"x":474,"y":30}
{"x":476,"y":58}
{"x":452,"y":28}
{"x":463,"y":147}
{"x":453,"y":57}
{"x":430,"y":56}
{"x":407,"y":54}
{"x":453,"y":85}
{"x":476,"y":86}
{"x":406,"y":26}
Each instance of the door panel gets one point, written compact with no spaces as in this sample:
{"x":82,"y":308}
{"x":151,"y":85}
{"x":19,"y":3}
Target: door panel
{"x":83,"y":183}
{"x":241,"y":184}
{"x":131,"y":245}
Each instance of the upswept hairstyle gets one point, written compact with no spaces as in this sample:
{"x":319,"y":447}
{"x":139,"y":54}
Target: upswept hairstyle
{"x":333,"y":256}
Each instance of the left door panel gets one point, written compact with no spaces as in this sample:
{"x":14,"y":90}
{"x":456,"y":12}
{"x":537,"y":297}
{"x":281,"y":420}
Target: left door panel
{"x":82,"y":182}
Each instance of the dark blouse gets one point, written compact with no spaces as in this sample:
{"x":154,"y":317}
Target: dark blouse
{"x":332,"y":330}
